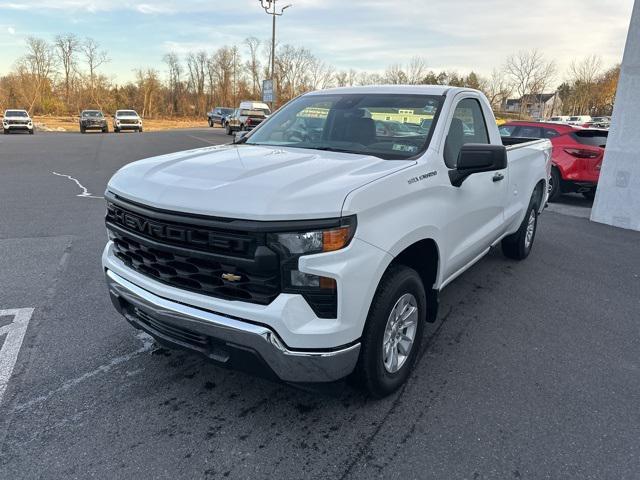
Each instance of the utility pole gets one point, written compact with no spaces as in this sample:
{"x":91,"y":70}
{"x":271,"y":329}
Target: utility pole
{"x":270,"y":8}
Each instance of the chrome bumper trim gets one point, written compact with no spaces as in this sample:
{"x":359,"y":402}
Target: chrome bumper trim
{"x":289,"y":365}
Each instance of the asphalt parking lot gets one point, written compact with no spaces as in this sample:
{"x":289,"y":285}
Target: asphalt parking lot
{"x":531,"y":371}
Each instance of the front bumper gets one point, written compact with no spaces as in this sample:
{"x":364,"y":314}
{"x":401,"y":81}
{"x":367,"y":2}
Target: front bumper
{"x":17,"y":127}
{"x":96,"y":126}
{"x":224,"y":339}
{"x":128,"y":126}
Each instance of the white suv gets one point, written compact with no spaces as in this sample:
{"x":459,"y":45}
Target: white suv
{"x":127,"y":120}
{"x":17,"y":120}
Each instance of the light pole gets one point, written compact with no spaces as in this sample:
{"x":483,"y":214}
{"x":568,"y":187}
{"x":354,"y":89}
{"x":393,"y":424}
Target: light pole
{"x":270,"y":8}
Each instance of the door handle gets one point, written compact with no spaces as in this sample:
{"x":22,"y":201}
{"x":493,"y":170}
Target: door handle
{"x":498,"y":177}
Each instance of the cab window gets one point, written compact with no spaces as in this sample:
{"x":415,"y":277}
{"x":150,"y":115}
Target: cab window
{"x":467,"y":126}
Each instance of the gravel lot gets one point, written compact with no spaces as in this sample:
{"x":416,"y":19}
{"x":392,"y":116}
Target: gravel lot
{"x":532,"y":371}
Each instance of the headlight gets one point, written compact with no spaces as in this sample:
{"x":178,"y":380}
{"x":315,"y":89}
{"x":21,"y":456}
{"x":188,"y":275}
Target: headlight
{"x":305,"y":243}
{"x":326,"y":236}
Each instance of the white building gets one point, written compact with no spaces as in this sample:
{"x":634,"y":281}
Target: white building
{"x":617,"y":199}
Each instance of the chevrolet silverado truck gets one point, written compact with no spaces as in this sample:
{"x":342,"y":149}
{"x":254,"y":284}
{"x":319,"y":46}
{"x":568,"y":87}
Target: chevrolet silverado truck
{"x":313,"y":257}
{"x":93,"y":120}
{"x":16,"y":120}
{"x":127,"y":120}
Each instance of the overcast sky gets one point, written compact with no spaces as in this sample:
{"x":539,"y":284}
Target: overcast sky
{"x":363,"y":34}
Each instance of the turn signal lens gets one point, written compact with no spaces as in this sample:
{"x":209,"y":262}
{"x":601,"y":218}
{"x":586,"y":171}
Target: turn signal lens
{"x":335,"y":239}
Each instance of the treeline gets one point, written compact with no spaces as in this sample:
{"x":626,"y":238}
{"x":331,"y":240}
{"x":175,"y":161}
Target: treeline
{"x":69,"y":74}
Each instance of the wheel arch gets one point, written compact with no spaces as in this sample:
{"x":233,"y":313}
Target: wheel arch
{"x":424,"y":257}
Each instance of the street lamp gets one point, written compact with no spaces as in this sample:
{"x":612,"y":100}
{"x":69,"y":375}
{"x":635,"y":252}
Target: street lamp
{"x":270,"y":8}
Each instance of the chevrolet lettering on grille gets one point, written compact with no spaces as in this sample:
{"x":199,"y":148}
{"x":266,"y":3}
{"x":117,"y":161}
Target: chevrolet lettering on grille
{"x":174,"y":233}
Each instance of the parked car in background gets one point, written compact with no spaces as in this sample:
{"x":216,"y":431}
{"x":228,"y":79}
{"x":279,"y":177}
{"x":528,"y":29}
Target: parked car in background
{"x":17,"y":120}
{"x":218,"y":116}
{"x":244,"y":120}
{"x":93,"y":120}
{"x":309,"y":259}
{"x":559,"y":119}
{"x":579,"y":120}
{"x":389,"y":128}
{"x":600,"y":122}
{"x":250,"y":105}
{"x":576,"y":156}
{"x":127,"y":120}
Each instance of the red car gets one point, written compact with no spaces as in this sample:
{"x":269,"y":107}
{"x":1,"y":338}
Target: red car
{"x":577,"y":154}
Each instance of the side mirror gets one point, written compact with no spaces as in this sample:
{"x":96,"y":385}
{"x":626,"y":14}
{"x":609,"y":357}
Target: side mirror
{"x":478,"y":158}
{"x":239,"y":136}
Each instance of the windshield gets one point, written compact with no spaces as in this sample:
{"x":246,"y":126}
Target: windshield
{"x":226,"y":111}
{"x":389,"y":126}
{"x":92,"y":113}
{"x":574,"y":119}
{"x":16,"y":113}
{"x":126,"y":113}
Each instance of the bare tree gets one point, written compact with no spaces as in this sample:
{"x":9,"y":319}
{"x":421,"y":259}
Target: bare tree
{"x":529,"y":73}
{"x":196,"y":66}
{"x":395,"y":75}
{"x":38,"y":65}
{"x":67,"y":47}
{"x":320,"y":75}
{"x":497,"y":88}
{"x":175,"y":81}
{"x":253,"y":65}
{"x":95,"y":58}
{"x":416,"y":70}
{"x":584,"y":75}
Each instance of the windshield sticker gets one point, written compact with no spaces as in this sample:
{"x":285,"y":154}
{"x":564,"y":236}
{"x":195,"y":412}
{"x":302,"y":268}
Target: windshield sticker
{"x":403,"y":147}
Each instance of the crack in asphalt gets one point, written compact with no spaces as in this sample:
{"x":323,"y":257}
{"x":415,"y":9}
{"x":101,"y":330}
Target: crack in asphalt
{"x":397,"y":401}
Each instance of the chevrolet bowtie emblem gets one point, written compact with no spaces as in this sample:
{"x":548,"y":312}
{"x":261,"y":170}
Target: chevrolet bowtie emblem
{"x":231,"y":277}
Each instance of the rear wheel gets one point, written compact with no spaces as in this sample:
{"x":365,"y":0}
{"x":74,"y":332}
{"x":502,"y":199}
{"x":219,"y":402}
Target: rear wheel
{"x":393,"y":332}
{"x":554,"y":185}
{"x":518,"y":245}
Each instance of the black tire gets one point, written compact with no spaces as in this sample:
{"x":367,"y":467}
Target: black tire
{"x":518,"y":245}
{"x":589,"y":194}
{"x":371,"y":371}
{"x":140,"y":130}
{"x":31,"y":132}
{"x":105,"y":130}
{"x":210,"y":123}
{"x":82,"y":130}
{"x":5,"y":131}
{"x":227,"y":129}
{"x":554,"y":185}
{"x":116,"y":130}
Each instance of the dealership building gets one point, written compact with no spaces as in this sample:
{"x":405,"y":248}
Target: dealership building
{"x":617,"y":199}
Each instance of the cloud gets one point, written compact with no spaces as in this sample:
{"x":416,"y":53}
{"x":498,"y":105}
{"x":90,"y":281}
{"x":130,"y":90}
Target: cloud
{"x":11,"y":30}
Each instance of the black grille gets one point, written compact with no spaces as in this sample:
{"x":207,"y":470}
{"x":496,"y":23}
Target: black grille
{"x":18,"y":122}
{"x":235,"y":266}
{"x":126,"y":121}
{"x":223,"y":258}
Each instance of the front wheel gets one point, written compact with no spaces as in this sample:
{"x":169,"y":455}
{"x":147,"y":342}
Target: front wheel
{"x":5,"y":131}
{"x":210,"y":123}
{"x":393,"y":332}
{"x":227,"y":129}
{"x":518,"y":245}
{"x":31,"y":132}
{"x":140,"y":130}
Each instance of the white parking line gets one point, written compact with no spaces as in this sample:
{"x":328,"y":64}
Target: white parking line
{"x":13,"y":341}
{"x":85,"y":193}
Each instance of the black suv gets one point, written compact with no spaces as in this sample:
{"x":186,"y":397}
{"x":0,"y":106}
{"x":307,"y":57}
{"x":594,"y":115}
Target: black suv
{"x":218,"y":115}
{"x":93,"y":120}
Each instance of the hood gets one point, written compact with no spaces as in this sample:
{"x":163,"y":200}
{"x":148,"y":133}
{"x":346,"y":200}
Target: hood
{"x":127,"y":117}
{"x":11,"y":117}
{"x":251,"y":182}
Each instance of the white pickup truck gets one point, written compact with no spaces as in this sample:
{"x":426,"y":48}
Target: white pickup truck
{"x":14,"y":120}
{"x":316,"y":245}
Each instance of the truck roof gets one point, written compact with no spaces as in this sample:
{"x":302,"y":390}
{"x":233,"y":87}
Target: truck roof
{"x":407,"y":89}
